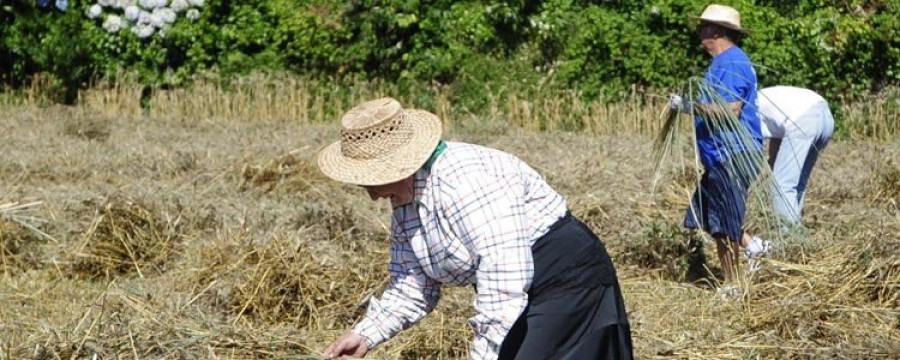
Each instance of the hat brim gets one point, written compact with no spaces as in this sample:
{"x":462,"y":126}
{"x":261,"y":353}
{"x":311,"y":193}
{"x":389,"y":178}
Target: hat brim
{"x":723,"y":24}
{"x":392,"y":166}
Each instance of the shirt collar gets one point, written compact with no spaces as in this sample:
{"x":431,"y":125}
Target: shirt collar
{"x":420,"y":182}
{"x":441,"y":146}
{"x":422,"y":179}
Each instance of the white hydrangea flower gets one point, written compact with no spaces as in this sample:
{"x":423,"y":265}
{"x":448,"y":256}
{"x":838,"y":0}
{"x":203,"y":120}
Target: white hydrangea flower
{"x":156,"y":20}
{"x":192,"y":14}
{"x":197,"y":3}
{"x":132,"y":12}
{"x":144,"y":17}
{"x":143,"y":31}
{"x":146,"y":32}
{"x":112,"y":24}
{"x":179,"y":5}
{"x":167,"y":15}
{"x":105,"y":3}
{"x":123,"y":4}
{"x":94,"y":11}
{"x":152,"y":4}
{"x":162,"y":32}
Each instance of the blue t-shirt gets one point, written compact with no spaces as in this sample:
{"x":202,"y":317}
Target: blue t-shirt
{"x":733,"y":78}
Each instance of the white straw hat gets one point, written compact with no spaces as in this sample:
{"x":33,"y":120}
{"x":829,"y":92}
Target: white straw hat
{"x":381,"y":143}
{"x":724,"y":16}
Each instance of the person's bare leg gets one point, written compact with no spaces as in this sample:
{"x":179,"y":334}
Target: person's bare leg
{"x":746,"y":240}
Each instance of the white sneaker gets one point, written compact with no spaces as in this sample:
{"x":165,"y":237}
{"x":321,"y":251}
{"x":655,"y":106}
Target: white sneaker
{"x":728,"y":292}
{"x":756,"y":249}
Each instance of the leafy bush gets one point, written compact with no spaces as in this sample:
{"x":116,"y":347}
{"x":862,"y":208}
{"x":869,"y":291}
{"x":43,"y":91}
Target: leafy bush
{"x":597,"y":48}
{"x":608,"y":52}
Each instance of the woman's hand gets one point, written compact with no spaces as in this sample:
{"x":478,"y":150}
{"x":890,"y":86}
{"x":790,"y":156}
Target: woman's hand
{"x":680,"y":104}
{"x":348,"y":344}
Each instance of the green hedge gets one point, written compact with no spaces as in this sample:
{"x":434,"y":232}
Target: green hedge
{"x":599,"y":48}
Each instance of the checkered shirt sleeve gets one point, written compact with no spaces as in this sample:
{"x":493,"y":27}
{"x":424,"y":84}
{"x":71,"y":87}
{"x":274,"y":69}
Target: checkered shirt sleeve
{"x":408,"y":297}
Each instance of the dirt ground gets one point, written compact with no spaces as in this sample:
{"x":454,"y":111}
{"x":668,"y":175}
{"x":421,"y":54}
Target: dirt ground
{"x":185,"y":239}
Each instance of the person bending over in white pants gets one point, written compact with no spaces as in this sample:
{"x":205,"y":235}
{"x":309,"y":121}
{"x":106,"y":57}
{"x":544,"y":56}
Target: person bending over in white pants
{"x":798,"y":124}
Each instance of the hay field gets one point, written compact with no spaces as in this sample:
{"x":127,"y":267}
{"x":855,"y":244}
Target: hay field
{"x":219,"y":239}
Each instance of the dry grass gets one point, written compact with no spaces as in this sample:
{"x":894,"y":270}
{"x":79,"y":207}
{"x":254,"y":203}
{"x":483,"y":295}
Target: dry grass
{"x":19,"y":247}
{"x":885,"y":183}
{"x":20,"y":237}
{"x":215,"y":237}
{"x":288,"y":98}
{"x":87,"y":128}
{"x":877,"y":117}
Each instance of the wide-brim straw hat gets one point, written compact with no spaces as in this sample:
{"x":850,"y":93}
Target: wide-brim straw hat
{"x":380,"y":143}
{"x":724,"y":16}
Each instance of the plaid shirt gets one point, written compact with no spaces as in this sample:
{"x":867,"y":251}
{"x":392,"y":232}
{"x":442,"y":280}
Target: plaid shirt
{"x":473,"y":220}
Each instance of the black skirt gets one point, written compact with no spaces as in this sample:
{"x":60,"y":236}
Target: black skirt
{"x":575,"y":308}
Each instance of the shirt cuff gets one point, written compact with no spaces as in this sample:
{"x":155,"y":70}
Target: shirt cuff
{"x":370,"y":332}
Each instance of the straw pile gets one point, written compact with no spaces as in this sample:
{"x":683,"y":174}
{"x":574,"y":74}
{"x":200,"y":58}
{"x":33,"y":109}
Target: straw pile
{"x":277,"y":279}
{"x":125,"y":237}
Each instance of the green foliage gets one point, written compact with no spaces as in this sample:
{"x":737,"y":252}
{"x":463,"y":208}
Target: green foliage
{"x":597,"y":48}
{"x":36,"y":46}
{"x":314,"y":38}
{"x":817,"y":49}
{"x":229,"y":37}
{"x":610,"y":52}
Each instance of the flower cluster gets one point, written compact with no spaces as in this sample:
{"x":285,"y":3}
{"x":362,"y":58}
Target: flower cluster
{"x":143,"y":17}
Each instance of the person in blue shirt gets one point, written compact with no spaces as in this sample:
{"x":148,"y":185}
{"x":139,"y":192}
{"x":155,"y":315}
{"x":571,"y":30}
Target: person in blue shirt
{"x":728,"y":153}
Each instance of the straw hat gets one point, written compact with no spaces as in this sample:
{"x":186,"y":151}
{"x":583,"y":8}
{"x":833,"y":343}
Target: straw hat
{"x":380,"y":143}
{"x":724,"y":16}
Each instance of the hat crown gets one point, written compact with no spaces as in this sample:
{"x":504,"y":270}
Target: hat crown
{"x":373,"y":129}
{"x":370,"y":113}
{"x":721,"y":14}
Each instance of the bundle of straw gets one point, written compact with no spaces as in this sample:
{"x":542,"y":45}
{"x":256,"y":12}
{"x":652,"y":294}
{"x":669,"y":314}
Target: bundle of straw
{"x":17,"y":212}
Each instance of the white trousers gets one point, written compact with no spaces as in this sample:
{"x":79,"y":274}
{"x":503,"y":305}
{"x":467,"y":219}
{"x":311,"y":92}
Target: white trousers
{"x":805,"y":137}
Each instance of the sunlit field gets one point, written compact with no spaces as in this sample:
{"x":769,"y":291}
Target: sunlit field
{"x":195,"y":232}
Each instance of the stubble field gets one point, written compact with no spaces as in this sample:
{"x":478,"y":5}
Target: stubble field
{"x":173,"y":238}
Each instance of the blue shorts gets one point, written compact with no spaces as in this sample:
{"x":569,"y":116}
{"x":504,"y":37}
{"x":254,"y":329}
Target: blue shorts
{"x":720,"y":201}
